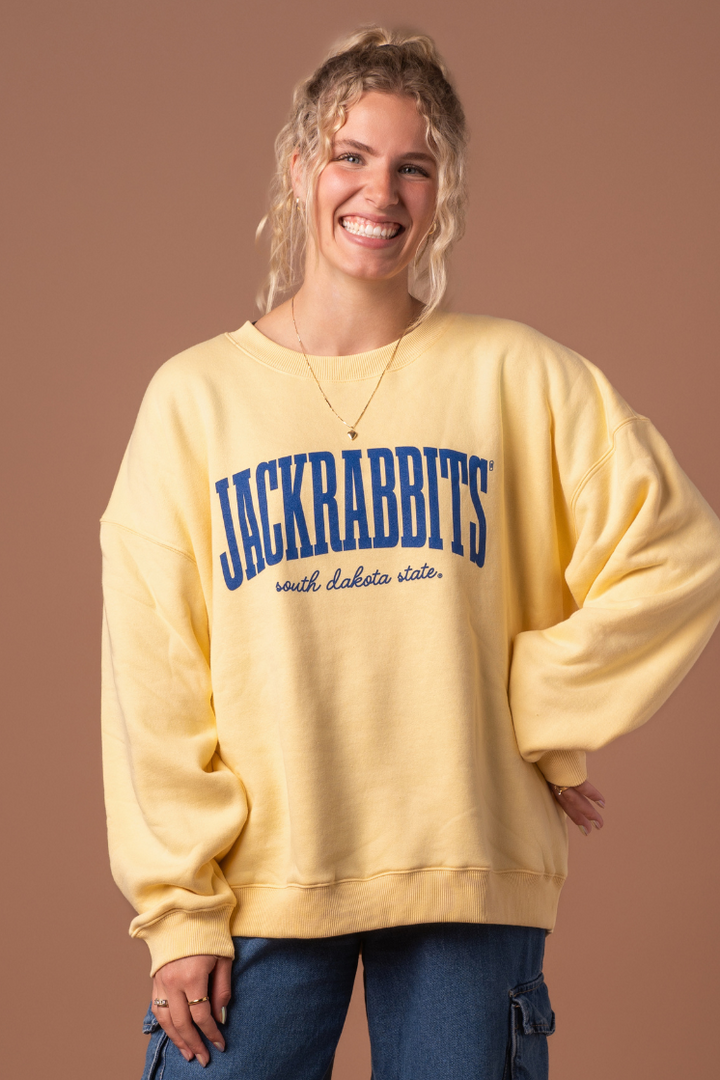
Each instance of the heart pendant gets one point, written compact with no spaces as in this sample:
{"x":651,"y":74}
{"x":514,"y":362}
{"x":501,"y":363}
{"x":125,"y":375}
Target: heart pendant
{"x":352,"y":434}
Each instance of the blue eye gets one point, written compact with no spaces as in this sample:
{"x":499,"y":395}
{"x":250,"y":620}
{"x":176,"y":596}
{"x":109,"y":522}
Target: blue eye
{"x":347,"y":157}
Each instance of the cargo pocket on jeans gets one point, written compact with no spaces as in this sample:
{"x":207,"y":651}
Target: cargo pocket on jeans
{"x":531,"y":1021}
{"x":155,"y":1056}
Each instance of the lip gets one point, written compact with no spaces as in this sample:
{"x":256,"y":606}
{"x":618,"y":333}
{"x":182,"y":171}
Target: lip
{"x":372,"y":241}
{"x":374,"y":218}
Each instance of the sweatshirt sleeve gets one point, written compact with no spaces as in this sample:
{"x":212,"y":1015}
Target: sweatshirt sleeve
{"x":644,"y":574}
{"x":173,"y":808}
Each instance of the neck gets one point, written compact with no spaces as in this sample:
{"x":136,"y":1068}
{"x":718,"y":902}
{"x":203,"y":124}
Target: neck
{"x":342,"y":316}
{"x":339,"y":318}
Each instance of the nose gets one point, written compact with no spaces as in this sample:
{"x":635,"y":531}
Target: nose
{"x":381,"y":187}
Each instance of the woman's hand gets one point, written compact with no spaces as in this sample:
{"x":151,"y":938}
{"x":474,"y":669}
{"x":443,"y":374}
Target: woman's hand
{"x":577,"y":802}
{"x":183,"y":981}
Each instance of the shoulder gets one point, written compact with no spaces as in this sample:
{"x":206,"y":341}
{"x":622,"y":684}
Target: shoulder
{"x":191,"y":372}
{"x":165,"y":461}
{"x":511,"y":340}
{"x":510,"y":344}
{"x":532,"y":365}
{"x":179,"y":408}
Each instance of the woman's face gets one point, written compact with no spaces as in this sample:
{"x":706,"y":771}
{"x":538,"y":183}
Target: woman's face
{"x":375,"y":199}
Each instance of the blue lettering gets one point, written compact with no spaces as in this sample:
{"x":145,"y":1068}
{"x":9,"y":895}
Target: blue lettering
{"x":425,"y":572}
{"x":308,"y":584}
{"x":405,"y":505}
{"x":409,"y":493}
{"x":293,"y":507}
{"x":478,"y":533}
{"x":268,"y":469}
{"x":457,"y":463}
{"x":355,"y":503}
{"x":435,"y":539}
{"x":325,"y":496}
{"x":357,"y":581}
{"x":234,"y":577}
{"x":384,"y":492}
{"x":248,"y":523}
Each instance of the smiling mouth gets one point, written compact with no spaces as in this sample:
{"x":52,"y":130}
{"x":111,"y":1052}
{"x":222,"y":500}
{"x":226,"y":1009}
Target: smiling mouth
{"x":360,"y":226}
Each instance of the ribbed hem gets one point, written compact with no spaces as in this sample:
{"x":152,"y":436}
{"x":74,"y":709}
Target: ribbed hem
{"x":340,"y":368}
{"x":188,"y":933}
{"x":564,"y":767}
{"x":515,"y":897}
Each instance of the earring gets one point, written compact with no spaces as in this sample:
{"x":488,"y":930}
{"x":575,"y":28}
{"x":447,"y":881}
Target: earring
{"x":432,"y":229}
{"x":297,"y":204}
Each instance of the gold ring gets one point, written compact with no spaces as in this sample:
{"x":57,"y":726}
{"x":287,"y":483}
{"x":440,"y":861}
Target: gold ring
{"x":161,"y":1003}
{"x":560,"y":790}
{"x":198,"y":1001}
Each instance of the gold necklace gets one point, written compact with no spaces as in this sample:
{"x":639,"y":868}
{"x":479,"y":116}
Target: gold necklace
{"x":351,"y":433}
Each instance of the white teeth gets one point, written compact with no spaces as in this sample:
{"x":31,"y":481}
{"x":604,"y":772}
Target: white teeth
{"x":367,"y":228}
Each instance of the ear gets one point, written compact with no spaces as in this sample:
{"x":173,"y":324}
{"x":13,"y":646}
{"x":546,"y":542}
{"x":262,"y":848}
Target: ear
{"x":297,"y":173}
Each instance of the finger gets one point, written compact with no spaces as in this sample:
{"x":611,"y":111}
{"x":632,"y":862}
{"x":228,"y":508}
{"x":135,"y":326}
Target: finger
{"x":182,"y":1019}
{"x":591,"y":792}
{"x":164,"y":1019}
{"x":203,"y":1017}
{"x":221,"y":991}
{"x":580,"y":810}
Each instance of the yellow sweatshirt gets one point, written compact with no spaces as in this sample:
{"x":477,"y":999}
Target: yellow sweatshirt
{"x":338,"y":673}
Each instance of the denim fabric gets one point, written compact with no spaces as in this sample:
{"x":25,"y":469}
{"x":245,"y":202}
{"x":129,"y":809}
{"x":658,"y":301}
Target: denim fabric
{"x":445,"y":1001}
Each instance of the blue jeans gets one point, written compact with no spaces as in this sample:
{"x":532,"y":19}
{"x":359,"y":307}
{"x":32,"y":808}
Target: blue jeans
{"x":445,"y":1001}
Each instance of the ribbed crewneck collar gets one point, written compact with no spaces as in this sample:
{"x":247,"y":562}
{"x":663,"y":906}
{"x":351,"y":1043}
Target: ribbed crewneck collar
{"x":340,"y":368}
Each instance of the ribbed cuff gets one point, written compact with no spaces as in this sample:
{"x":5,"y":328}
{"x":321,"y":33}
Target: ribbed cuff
{"x":188,"y":933}
{"x":564,"y":767}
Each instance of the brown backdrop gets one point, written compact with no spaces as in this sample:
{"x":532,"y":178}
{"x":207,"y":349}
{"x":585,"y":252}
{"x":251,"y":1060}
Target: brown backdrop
{"x":137,"y":154}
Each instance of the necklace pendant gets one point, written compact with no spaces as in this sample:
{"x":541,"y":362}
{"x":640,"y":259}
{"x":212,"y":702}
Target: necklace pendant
{"x":352,"y":434}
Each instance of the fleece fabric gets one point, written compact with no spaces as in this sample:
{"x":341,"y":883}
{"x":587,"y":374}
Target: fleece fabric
{"x":338,"y":673}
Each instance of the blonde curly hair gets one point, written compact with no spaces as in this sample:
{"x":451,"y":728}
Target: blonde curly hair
{"x":390,"y":62}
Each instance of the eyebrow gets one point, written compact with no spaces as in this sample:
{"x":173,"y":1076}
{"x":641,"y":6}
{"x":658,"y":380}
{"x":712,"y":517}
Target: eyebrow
{"x":415,"y":155}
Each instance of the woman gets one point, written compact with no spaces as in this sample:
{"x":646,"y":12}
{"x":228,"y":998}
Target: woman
{"x":376,"y":578}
